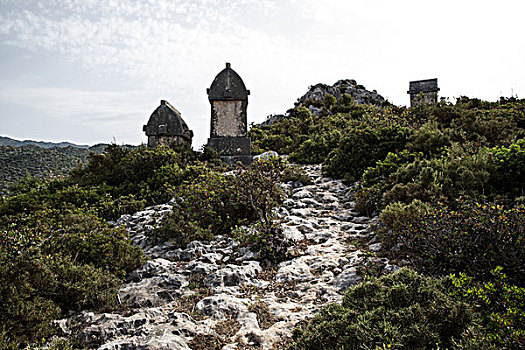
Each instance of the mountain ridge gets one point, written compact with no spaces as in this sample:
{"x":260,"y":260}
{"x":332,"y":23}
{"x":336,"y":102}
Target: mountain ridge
{"x":8,"y":141}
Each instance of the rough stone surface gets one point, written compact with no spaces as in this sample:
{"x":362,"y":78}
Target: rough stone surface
{"x":346,"y":86}
{"x":166,"y":126}
{"x":180,"y":293}
{"x":228,"y":98}
{"x":423,"y":92}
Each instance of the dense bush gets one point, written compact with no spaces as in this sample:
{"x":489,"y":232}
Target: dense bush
{"x":400,"y":311}
{"x":204,"y":207}
{"x":460,"y":170}
{"x":217,"y":203}
{"x":143,"y":172}
{"x":509,"y":177}
{"x":52,"y":262}
{"x":472,"y":239}
{"x":362,"y":146}
{"x":120,"y":181}
{"x":498,"y":304}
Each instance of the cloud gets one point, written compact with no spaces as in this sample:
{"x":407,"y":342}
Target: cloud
{"x":81,"y":106}
{"x":150,"y":41}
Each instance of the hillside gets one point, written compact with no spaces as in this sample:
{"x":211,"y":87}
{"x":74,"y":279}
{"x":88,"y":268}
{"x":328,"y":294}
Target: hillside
{"x":17,"y":162}
{"x":342,"y":92}
{"x":401,"y":228}
{"x":39,"y":159}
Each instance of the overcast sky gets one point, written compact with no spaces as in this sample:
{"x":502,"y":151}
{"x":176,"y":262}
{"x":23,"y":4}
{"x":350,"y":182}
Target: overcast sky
{"x":90,"y":71}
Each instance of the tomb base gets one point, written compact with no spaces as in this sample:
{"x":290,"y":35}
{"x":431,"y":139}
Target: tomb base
{"x":232,"y":149}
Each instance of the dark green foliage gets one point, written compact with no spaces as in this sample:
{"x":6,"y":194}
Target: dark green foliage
{"x":258,"y":187}
{"x":120,"y":181}
{"x":307,"y":139}
{"x":52,"y":262}
{"x":143,"y":172}
{"x":217,"y":203}
{"x":480,"y":173}
{"x":268,"y":242}
{"x":400,"y":311}
{"x":204,"y":207}
{"x":428,"y":139}
{"x":509,"y":176}
{"x":398,"y":217}
{"x":474,"y":239}
{"x":362,"y":146}
{"x":295,"y":173}
{"x":36,"y":288}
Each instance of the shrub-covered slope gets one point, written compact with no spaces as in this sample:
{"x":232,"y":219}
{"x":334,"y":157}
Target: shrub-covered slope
{"x":59,"y":254}
{"x":20,"y":159}
{"x":448,"y":181}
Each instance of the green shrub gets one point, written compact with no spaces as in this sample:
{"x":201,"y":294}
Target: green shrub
{"x":509,"y":177}
{"x":376,"y":180}
{"x":295,"y":173}
{"x":499,"y":305}
{"x":315,"y":149}
{"x":36,"y":288}
{"x":329,"y":101}
{"x":83,"y":237}
{"x":472,"y":239}
{"x":217,"y":203}
{"x":204,"y":207}
{"x":55,"y":261}
{"x":428,"y":139}
{"x":458,"y":171}
{"x":399,"y":311}
{"x":268,"y":242}
{"x":361,"y":147}
{"x":398,"y":217}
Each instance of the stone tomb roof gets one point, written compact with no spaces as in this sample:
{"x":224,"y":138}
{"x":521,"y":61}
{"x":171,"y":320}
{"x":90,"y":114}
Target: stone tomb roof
{"x":166,"y":120}
{"x":428,"y":85}
{"x":228,"y":85}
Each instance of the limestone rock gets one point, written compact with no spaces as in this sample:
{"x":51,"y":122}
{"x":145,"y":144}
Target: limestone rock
{"x":198,"y":289}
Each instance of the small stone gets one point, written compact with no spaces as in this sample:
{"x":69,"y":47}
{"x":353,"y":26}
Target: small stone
{"x":346,"y":279}
{"x":374,"y":247}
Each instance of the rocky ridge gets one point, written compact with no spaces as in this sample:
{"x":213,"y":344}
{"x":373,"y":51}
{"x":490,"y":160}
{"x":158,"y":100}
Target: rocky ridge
{"x":359,"y":93}
{"x":215,"y":295}
{"x":316,"y":94}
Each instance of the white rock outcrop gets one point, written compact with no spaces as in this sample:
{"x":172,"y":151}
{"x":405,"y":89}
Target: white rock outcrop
{"x":181,"y":293}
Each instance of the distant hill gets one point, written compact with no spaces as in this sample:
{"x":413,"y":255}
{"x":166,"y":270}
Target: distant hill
{"x":18,"y":161}
{"x":7,"y":141}
{"x":40,"y":159}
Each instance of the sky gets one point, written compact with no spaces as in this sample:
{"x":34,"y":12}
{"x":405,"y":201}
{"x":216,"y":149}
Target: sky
{"x":93,"y":71}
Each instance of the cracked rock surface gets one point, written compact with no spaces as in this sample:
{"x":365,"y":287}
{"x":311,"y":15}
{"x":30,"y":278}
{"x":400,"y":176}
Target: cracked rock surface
{"x":217,"y":290}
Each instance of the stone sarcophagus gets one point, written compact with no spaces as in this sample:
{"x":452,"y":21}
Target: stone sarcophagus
{"x":165,"y":127}
{"x":423,"y":92}
{"x":228,"y":97}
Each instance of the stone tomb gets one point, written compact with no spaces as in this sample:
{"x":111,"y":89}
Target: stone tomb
{"x":423,"y":92}
{"x":228,"y":97}
{"x":165,"y":126}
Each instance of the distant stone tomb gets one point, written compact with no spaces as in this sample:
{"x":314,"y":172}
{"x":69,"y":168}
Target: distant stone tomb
{"x":166,"y":127}
{"x":423,"y":92}
{"x":229,"y":127}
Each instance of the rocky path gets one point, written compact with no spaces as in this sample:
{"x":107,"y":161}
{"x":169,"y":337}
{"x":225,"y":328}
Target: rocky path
{"x":214,"y":295}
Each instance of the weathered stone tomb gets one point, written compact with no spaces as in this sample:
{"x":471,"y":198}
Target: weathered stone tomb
{"x":423,"y":92}
{"x":166,"y":127}
{"x":228,"y":97}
